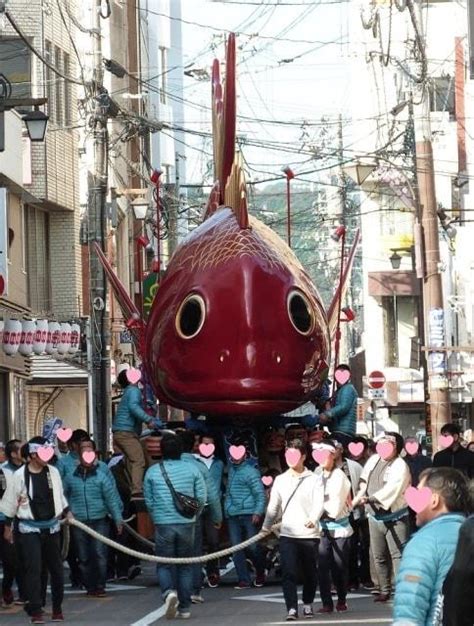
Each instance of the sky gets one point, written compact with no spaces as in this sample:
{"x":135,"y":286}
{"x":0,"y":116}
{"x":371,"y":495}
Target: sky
{"x":292,"y":71}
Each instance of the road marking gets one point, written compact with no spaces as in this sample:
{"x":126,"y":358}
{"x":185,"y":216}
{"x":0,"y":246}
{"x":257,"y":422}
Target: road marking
{"x":277,"y":598}
{"x":151,"y":617}
{"x":326,"y":621}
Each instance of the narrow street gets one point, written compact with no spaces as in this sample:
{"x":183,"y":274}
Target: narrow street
{"x":139,"y":604}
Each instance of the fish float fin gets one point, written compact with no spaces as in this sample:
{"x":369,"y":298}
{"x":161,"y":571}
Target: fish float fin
{"x":342,"y":288}
{"x":133,"y":319}
{"x":230,"y":186}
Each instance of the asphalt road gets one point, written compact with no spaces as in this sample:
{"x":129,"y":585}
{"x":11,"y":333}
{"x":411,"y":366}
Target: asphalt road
{"x":139,"y":604}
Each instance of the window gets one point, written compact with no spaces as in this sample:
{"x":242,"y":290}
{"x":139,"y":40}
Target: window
{"x":67,"y":91}
{"x":38,"y":260}
{"x":442,"y":96}
{"x":49,"y":81}
{"x":163,"y":75}
{"x":58,"y":87}
{"x":15,"y":64}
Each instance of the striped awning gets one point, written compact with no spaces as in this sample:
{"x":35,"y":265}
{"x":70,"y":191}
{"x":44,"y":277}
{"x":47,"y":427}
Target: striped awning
{"x":46,"y":370}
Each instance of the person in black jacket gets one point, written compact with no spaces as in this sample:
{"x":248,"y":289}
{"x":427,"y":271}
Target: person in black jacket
{"x":458,"y":588}
{"x":455,"y":456}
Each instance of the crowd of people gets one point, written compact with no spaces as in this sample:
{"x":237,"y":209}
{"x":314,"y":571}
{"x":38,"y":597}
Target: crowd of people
{"x":332,"y":510}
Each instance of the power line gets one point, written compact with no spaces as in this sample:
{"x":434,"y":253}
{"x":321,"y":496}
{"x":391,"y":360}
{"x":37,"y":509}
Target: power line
{"x":38,"y":54}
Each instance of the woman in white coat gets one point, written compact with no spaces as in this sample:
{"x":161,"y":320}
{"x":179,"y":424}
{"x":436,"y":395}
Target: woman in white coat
{"x":336,"y":530}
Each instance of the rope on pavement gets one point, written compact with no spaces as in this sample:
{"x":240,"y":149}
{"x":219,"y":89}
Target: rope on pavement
{"x":171,"y":560}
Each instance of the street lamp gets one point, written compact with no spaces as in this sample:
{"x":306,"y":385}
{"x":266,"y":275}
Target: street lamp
{"x":36,"y":123}
{"x":396,"y":259}
{"x":140,"y":208}
{"x":289,"y":175}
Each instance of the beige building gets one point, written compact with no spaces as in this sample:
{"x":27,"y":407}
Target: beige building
{"x":42,"y":209}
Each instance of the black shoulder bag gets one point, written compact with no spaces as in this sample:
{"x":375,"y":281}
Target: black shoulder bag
{"x":184,"y":504}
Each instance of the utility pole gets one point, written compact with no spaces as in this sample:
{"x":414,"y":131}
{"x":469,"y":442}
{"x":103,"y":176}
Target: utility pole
{"x":97,"y":230}
{"x":173,"y":205}
{"x":438,"y":408}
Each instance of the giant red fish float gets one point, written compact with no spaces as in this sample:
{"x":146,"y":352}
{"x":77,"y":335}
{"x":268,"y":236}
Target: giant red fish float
{"x":237,"y":327}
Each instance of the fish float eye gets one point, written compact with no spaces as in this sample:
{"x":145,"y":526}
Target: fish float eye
{"x":190,"y":317}
{"x":300,"y":312}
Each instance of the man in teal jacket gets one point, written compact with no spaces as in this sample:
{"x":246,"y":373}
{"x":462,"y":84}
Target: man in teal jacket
{"x":174,"y":533}
{"x":92,"y":497}
{"x":428,"y":556}
{"x":244,"y":506}
{"x":126,"y":429}
{"x":342,"y":417}
{"x":213,"y":507}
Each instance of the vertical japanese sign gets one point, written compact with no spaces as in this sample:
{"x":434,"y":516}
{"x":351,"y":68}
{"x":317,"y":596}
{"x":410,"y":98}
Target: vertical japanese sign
{"x":3,"y":243}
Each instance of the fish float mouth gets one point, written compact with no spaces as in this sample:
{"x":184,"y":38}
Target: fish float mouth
{"x":242,"y":408}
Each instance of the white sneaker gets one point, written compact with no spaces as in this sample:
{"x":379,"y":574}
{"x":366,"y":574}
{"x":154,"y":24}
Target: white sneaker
{"x":171,"y":604}
{"x":292,"y":615}
{"x":183,"y":614}
{"x":197,"y":598}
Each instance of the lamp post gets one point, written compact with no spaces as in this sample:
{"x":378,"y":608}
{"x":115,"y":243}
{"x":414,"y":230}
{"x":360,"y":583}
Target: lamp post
{"x":339,"y":235}
{"x":36,"y":121}
{"x":140,"y":208}
{"x":289,"y":175}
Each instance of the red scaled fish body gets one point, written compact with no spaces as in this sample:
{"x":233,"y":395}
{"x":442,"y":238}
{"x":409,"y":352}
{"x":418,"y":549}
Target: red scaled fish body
{"x":235,"y":323}
{"x":237,"y":327}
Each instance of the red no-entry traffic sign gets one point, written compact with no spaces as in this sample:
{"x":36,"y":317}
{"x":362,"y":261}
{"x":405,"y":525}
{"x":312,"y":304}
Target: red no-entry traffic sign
{"x":376,"y":379}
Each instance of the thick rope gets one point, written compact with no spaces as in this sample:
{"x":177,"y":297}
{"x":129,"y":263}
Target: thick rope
{"x":133,"y":533}
{"x":171,"y":560}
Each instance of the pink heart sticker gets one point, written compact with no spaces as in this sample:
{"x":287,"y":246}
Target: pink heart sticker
{"x":133,"y":375}
{"x":292,"y":456}
{"x":384,"y":449}
{"x":237,"y":452}
{"x":45,"y":453}
{"x":418,"y":499}
{"x":445,"y":441}
{"x":411,"y":447}
{"x":267,"y":480}
{"x":356,"y":448}
{"x":64,"y":434}
{"x":320,"y":456}
{"x":207,"y":449}
{"x":342,"y":376}
{"x":88,"y":456}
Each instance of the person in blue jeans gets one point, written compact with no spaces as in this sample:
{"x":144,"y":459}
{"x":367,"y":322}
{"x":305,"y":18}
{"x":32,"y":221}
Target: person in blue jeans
{"x":92,"y":496}
{"x":174,"y":533}
{"x":244,"y":506}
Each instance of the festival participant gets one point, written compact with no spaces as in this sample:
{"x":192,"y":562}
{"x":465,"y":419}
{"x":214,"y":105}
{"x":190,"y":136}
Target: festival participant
{"x":174,"y":533}
{"x":336,"y":530}
{"x":416,"y":461}
{"x":36,"y":500}
{"x":430,"y":552}
{"x":8,"y":552}
{"x":383,"y":483}
{"x":359,"y":557}
{"x":455,"y":455}
{"x":458,"y":588}
{"x":68,"y":462}
{"x":244,"y":506}
{"x":212,"y":506}
{"x":297,"y":499}
{"x":92,"y":497}
{"x":342,"y":416}
{"x":126,"y":429}
{"x":215,"y":468}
